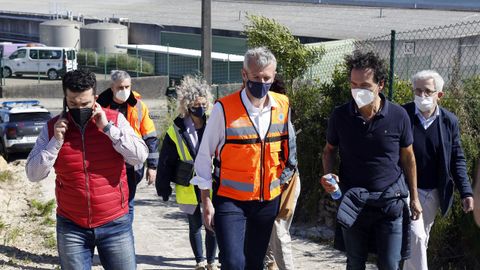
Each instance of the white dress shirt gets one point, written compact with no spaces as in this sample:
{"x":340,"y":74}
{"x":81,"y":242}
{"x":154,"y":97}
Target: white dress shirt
{"x":426,"y":122}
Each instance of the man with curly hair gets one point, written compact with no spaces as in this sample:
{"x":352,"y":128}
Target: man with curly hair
{"x":374,"y":140}
{"x":88,"y":147}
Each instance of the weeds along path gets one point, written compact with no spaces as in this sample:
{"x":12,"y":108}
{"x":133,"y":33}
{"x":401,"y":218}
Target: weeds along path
{"x":27,"y":221}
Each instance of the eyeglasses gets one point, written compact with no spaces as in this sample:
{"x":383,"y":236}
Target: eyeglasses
{"x":426,"y":92}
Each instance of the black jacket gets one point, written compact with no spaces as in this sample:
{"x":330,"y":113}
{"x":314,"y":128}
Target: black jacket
{"x":168,"y":159}
{"x":454,"y":168}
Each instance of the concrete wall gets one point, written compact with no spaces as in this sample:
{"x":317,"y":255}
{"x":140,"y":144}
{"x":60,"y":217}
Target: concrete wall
{"x":149,"y":87}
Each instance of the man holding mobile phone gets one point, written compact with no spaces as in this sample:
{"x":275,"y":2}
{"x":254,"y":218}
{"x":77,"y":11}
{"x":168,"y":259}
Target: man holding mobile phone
{"x":88,"y":147}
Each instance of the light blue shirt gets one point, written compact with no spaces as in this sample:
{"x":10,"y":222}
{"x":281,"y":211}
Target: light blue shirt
{"x":426,"y":122}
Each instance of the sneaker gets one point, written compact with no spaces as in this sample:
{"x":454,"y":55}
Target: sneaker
{"x":212,"y":266}
{"x":201,"y":266}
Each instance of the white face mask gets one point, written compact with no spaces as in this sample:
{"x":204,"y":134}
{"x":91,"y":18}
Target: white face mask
{"x":122,"y":95}
{"x":362,"y":97}
{"x":424,"y":104}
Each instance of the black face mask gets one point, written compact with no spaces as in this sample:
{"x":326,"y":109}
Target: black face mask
{"x":197,"y":111}
{"x":81,"y":115}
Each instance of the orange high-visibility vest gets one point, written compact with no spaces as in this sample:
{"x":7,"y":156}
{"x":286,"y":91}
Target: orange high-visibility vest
{"x":250,"y":167}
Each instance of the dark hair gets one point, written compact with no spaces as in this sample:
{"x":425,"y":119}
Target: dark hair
{"x":79,"y":81}
{"x":278,"y":85}
{"x":364,"y":60}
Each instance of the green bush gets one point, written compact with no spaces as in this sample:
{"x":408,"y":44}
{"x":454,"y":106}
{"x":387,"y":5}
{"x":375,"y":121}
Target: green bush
{"x":293,"y":58}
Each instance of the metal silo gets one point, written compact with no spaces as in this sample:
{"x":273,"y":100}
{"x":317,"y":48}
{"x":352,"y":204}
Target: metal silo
{"x":102,"y":37}
{"x":60,"y":33}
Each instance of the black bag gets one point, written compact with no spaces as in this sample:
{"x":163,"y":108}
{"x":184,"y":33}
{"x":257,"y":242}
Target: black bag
{"x":183,"y":173}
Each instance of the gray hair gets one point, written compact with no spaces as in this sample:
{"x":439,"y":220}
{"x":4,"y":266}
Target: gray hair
{"x":119,"y":75}
{"x":260,"y":56}
{"x":191,"y":88}
{"x":429,"y":74}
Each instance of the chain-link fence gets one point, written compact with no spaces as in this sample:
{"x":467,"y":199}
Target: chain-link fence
{"x":452,"y":50}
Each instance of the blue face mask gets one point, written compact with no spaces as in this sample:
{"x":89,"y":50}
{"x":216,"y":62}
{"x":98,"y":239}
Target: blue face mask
{"x":198,"y":111}
{"x":258,"y":89}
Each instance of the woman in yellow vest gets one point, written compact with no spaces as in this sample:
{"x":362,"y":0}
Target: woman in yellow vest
{"x":175,"y":164}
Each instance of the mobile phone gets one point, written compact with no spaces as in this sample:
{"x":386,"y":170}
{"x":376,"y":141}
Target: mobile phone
{"x":64,"y":109}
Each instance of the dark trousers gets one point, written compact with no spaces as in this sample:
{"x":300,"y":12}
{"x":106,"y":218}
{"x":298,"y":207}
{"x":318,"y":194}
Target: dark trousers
{"x":195,"y":233}
{"x":388,"y":236}
{"x":243,"y":230}
{"x":133,"y":177}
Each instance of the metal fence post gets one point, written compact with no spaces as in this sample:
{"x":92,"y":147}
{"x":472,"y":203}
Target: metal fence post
{"x":105,"y":61}
{"x":168,"y":60}
{"x":228,"y":68}
{"x":392,"y":64}
{"x":38,"y":64}
{"x":136,"y":47}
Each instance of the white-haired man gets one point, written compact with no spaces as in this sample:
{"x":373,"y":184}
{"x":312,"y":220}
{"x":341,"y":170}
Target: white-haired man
{"x":440,"y":161}
{"x":251,"y":138}
{"x":120,"y":97}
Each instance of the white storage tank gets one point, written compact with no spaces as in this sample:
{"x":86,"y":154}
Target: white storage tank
{"x":102,"y":37}
{"x":60,"y":33}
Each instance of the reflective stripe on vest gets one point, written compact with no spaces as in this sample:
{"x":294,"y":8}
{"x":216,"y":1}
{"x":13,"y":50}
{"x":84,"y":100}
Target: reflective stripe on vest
{"x":249,"y":167}
{"x":184,"y":195}
{"x":139,"y":109}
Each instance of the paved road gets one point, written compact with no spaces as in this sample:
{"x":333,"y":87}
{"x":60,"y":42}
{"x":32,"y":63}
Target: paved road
{"x":161,"y":236}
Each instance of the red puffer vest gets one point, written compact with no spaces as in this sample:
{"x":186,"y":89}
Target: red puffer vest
{"x":91,"y":185}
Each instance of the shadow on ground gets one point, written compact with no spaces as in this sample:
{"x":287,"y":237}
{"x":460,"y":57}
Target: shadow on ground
{"x":20,"y":257}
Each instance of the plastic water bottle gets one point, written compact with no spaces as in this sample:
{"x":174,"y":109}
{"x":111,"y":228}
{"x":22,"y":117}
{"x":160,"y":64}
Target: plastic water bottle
{"x":337,"y":193}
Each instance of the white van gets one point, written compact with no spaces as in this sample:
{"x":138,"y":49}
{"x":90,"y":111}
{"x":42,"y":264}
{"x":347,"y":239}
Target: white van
{"x":50,"y":61}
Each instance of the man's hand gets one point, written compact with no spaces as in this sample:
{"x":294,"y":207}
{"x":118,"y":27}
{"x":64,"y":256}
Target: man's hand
{"x":151,"y":176}
{"x":467,"y":204}
{"x":60,"y":128}
{"x":329,"y":187}
{"x":208,"y":212}
{"x":415,"y":209}
{"x":99,"y":116}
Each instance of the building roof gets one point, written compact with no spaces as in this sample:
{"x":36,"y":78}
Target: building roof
{"x":314,"y":20}
{"x":180,"y":51}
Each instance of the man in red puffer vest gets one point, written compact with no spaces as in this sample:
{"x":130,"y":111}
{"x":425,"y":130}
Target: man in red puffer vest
{"x":88,"y":147}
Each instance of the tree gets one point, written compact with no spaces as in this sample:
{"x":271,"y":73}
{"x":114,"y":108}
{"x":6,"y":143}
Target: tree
{"x":293,"y":58}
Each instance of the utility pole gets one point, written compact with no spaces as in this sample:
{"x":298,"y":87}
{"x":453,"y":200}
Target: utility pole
{"x":207,"y":40}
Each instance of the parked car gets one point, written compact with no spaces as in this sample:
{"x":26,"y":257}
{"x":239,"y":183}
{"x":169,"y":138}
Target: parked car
{"x":20,"y":124}
{"x":50,"y":61}
{"x":7,"y":48}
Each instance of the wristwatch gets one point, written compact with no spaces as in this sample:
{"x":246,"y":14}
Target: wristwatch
{"x":107,"y":127}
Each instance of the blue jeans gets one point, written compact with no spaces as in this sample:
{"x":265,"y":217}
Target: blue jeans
{"x":114,"y":242}
{"x":195,"y":232}
{"x":388,"y":240}
{"x":243,"y":230}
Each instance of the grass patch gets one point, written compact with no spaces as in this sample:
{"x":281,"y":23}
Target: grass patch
{"x":2,"y":225}
{"x":6,"y":176}
{"x":50,"y":241}
{"x":11,"y":236}
{"x":40,"y":209}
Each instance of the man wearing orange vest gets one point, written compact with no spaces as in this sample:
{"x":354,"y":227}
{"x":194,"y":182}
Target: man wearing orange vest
{"x":88,"y":147}
{"x":120,"y":97}
{"x":251,"y":138}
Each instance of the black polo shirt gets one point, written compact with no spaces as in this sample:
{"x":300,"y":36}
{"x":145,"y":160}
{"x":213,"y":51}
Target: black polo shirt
{"x":369,"y":150}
